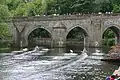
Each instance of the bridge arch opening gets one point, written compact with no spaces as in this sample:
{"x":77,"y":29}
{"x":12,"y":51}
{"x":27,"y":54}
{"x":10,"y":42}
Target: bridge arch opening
{"x":111,"y":36}
{"x":39,"y":37}
{"x":75,"y":37}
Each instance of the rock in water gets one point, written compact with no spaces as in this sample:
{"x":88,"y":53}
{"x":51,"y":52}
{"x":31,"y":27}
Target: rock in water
{"x":114,"y":53}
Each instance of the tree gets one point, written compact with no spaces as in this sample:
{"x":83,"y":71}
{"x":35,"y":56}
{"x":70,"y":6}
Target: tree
{"x":4,"y":32}
{"x":44,"y":6}
{"x":25,"y":9}
{"x":106,"y":6}
{"x":117,"y":2}
{"x":13,"y":4}
{"x":109,"y":37}
{"x":4,"y":14}
{"x":116,"y":9}
{"x":2,"y":1}
{"x":85,"y":6}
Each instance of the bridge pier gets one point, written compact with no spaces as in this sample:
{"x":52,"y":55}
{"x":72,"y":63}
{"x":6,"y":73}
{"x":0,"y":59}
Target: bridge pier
{"x":24,"y":42}
{"x":94,"y":40}
{"x":58,"y":34}
{"x":59,"y":43}
{"x":16,"y":39}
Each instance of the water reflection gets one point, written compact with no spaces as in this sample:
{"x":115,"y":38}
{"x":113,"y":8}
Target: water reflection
{"x":54,"y":65}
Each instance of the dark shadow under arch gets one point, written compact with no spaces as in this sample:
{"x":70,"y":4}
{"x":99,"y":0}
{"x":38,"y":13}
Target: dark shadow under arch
{"x":76,"y":31}
{"x":75,"y":37}
{"x":40,"y":37}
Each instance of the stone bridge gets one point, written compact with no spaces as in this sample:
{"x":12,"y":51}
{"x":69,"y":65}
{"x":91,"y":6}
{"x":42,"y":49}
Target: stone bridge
{"x":93,"y":25}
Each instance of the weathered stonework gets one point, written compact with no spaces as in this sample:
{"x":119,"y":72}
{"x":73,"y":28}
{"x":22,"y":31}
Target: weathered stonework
{"x":59,"y":27}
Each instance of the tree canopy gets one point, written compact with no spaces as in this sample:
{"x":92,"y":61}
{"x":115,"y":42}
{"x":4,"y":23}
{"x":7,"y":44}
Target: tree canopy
{"x":41,"y":7}
{"x":4,"y":14}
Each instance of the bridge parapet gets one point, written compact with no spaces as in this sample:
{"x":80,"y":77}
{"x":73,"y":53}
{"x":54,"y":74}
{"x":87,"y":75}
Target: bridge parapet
{"x":62,"y":17}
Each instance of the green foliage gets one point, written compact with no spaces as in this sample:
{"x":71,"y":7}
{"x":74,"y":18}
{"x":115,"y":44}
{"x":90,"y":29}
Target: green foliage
{"x":84,"y":6}
{"x":5,"y":44}
{"x":40,"y":7}
{"x":116,"y":9}
{"x":39,"y":33}
{"x":43,"y":6}
{"x":2,"y":1}
{"x":25,"y":9}
{"x":4,"y":32}
{"x":4,"y":13}
{"x":106,"y":6}
{"x":33,"y":8}
{"x":13,"y":4}
{"x":109,"y":42}
{"x":109,"y":38}
{"x":117,"y":2}
{"x":109,"y":34}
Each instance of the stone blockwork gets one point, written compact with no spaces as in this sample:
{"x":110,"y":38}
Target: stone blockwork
{"x":94,"y":26}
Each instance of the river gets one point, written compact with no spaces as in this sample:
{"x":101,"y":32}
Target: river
{"x":54,"y":65}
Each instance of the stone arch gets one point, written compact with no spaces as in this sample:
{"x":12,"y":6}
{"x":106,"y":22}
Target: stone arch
{"x":31,"y":29}
{"x":84,"y":30}
{"x":115,"y":28}
{"x":37,"y":27}
{"x":111,"y":25}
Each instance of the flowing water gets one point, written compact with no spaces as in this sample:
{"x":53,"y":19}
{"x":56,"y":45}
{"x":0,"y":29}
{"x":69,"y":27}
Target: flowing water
{"x":54,"y":65}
